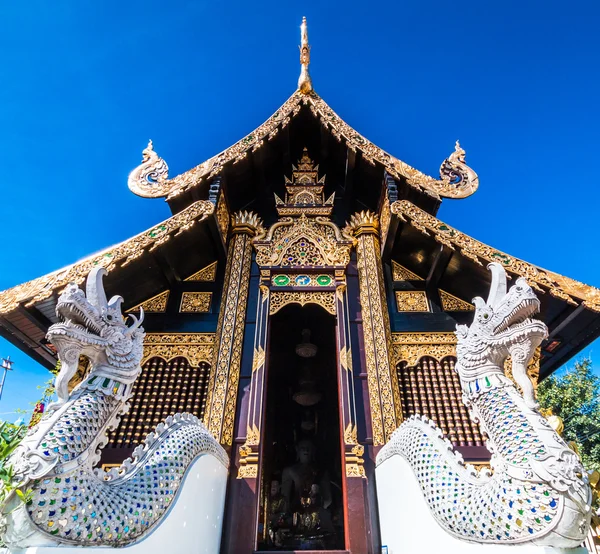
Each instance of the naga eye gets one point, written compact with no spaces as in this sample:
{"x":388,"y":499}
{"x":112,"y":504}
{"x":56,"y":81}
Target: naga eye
{"x":486,"y":316}
{"x":109,"y":317}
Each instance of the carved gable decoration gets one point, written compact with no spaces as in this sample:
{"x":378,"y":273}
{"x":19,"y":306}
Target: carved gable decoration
{"x":303,"y":242}
{"x":304,"y":192}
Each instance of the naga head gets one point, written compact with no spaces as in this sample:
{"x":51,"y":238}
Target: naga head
{"x":95,"y":328}
{"x":502,"y":326}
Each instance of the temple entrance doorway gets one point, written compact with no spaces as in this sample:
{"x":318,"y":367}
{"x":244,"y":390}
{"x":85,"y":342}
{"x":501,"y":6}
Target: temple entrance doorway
{"x":301,"y":500}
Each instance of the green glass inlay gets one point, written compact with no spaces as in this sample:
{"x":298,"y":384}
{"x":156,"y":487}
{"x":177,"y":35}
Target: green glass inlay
{"x":324,"y":280}
{"x":281,"y":280}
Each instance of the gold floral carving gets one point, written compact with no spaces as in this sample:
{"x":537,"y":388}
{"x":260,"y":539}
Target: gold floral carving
{"x":303,"y":242}
{"x":252,"y":435}
{"x":222,"y":392}
{"x":195,"y":347}
{"x":258,"y":359}
{"x":355,"y":462}
{"x":195,"y":302}
{"x":382,"y":379}
{"x":562,"y":287}
{"x":123,"y":253}
{"x":206,"y":274}
{"x":385,"y":217}
{"x":451,"y":303}
{"x":412,"y":301}
{"x":411,"y":347}
{"x":339,"y":128}
{"x":325,"y":299}
{"x":400,"y":273}
{"x":223,"y":216}
{"x":354,"y":455}
{"x":155,"y":305}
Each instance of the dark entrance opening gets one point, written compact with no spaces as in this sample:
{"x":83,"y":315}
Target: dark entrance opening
{"x":301,"y":488}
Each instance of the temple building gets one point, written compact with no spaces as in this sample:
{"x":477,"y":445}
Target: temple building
{"x":302,"y":301}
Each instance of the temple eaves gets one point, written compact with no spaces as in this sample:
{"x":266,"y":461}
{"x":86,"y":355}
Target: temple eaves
{"x":564,"y":288}
{"x":151,"y":178}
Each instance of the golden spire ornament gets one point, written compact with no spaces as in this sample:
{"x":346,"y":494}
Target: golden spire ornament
{"x":304,"y":81}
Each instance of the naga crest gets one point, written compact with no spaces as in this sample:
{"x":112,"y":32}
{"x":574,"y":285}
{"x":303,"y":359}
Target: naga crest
{"x":95,"y":328}
{"x":502,"y":327}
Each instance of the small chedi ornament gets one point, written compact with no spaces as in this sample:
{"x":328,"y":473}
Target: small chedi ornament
{"x":538,"y":491}
{"x":70,"y":501}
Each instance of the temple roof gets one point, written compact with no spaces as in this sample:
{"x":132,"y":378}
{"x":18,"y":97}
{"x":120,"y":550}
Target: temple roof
{"x":151,"y":178}
{"x":144,"y":181}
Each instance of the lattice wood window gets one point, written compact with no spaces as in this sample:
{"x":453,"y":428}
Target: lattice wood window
{"x":162,"y":389}
{"x":432,"y":388}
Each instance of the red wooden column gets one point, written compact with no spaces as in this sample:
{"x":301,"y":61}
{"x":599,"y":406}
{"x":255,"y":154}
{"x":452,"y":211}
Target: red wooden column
{"x":354,"y":479}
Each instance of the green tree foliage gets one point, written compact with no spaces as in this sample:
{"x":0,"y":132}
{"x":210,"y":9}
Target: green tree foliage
{"x":573,"y":396}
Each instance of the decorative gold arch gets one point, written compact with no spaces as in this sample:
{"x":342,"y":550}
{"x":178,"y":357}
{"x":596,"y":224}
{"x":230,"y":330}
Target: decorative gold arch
{"x":303,"y":242}
{"x":195,"y":347}
{"x":325,"y":299}
{"x":411,"y":347}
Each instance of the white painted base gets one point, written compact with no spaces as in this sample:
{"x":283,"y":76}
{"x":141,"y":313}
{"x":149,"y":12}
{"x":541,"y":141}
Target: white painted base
{"x":192,"y":526}
{"x":408,"y":526}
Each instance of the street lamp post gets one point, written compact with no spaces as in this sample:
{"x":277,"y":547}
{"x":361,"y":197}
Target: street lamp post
{"x":6,"y":365}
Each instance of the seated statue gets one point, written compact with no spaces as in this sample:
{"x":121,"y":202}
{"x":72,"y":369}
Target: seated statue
{"x":308,"y":495}
{"x":298,"y":479}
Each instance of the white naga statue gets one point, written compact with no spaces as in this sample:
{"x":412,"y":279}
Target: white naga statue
{"x":538,"y":491}
{"x":71,"y":502}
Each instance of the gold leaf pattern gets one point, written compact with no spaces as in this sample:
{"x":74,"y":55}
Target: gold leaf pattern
{"x":195,"y":302}
{"x":412,"y":301}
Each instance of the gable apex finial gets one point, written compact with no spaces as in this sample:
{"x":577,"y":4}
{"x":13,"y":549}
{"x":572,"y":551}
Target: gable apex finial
{"x":304,"y":81}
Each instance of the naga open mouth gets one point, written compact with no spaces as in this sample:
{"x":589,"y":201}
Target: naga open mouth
{"x":73,"y":317}
{"x":519,"y":317}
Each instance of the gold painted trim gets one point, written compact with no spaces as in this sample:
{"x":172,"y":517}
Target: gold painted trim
{"x":195,"y":347}
{"x":412,"y":301}
{"x":558,"y":285}
{"x":154,"y":305}
{"x":411,"y":347}
{"x":195,"y":302}
{"x":43,"y":287}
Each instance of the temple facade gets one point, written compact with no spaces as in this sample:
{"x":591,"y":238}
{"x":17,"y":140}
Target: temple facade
{"x":302,"y":302}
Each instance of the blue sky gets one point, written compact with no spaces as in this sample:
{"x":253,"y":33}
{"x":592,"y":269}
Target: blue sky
{"x":86,"y":84}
